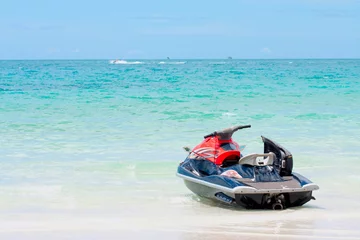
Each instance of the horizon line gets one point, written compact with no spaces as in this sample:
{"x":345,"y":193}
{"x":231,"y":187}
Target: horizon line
{"x":146,"y":59}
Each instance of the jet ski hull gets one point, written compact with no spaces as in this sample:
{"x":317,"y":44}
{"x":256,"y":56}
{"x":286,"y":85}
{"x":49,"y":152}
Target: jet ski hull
{"x":275,"y":192}
{"x":260,"y":199}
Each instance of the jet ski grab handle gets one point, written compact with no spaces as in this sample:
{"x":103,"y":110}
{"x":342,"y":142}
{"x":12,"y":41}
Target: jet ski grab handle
{"x":226,"y":133}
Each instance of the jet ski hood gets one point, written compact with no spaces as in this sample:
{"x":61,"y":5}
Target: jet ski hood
{"x":218,"y":147}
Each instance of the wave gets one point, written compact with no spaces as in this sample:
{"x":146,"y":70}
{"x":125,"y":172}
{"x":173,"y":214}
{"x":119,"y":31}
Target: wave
{"x":124,"y":62}
{"x":217,"y":63}
{"x":228,"y":114}
{"x":172,"y":62}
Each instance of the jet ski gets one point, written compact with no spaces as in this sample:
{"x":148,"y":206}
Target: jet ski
{"x":216,"y":169}
{"x":117,"y":61}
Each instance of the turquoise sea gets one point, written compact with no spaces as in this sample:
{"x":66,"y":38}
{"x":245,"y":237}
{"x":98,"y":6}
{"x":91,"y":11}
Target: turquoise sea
{"x":89,"y":149}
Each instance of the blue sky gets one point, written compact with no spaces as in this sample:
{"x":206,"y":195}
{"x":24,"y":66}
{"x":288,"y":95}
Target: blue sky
{"x":108,"y":29}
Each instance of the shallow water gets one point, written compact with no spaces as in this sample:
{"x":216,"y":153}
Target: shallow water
{"x":90,"y":148}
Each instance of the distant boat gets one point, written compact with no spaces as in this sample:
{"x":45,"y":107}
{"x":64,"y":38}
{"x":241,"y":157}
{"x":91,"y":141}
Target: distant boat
{"x":229,"y":58}
{"x":168,"y":58}
{"x":117,"y":61}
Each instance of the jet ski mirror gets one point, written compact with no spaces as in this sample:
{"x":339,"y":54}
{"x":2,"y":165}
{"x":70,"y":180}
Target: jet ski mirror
{"x":226,"y":133}
{"x":187,"y":149}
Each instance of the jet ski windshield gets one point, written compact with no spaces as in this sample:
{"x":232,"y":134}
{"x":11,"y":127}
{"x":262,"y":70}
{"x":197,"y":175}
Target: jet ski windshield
{"x":228,"y":146}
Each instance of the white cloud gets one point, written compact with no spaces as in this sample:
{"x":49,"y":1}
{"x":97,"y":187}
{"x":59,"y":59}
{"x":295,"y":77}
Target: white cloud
{"x":35,"y":27}
{"x":53,"y":50}
{"x":206,"y":29}
{"x":159,"y":18}
{"x":155,"y":18}
{"x":135,"y":52}
{"x":266,"y":50}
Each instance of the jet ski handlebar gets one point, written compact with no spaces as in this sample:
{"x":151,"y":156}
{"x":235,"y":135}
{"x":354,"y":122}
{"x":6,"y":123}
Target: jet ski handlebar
{"x":226,"y":133}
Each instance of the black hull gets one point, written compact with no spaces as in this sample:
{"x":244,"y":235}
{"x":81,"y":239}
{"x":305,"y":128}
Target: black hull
{"x":252,"y":201}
